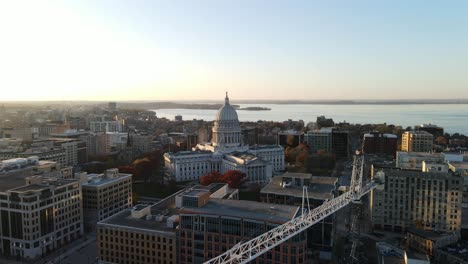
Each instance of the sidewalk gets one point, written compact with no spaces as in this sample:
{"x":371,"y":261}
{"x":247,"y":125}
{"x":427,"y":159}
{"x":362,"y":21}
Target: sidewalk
{"x":62,"y":257}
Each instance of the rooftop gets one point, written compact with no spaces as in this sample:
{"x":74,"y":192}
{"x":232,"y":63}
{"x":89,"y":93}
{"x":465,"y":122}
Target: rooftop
{"x":45,"y":183}
{"x":459,"y":249}
{"x":188,"y":153}
{"x":273,"y":213}
{"x":159,"y":211}
{"x":96,"y":180}
{"x":320,"y":188}
{"x":429,"y":234}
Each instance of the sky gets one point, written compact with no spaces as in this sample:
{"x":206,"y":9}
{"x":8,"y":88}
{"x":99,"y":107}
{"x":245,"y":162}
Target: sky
{"x":259,"y":50}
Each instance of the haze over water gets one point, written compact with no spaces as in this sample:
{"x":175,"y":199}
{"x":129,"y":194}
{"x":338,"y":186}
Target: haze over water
{"x":452,"y":117}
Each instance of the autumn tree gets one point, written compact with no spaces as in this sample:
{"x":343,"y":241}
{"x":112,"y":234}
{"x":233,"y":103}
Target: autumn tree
{"x":212,"y":177}
{"x":441,"y":140}
{"x":234,"y":178}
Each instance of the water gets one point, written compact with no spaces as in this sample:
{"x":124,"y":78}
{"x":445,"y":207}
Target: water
{"x":452,"y":117}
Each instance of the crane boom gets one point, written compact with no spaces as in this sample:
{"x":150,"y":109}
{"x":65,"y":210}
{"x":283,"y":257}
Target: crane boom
{"x":247,"y":251}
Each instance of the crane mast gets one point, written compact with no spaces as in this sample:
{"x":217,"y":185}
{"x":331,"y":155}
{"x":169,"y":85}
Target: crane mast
{"x":247,"y":251}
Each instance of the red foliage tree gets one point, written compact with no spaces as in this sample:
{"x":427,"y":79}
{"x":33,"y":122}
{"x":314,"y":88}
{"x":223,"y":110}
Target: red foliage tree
{"x":212,"y":177}
{"x":234,"y":178}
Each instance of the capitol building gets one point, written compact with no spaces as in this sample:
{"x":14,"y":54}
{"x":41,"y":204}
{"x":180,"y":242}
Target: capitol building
{"x":226,"y":152}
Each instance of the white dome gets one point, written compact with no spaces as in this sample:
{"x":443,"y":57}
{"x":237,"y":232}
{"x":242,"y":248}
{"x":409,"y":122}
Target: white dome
{"x":226,"y":113}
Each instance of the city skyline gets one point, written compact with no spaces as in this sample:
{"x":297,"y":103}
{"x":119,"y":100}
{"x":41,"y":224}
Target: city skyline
{"x":182,"y":50}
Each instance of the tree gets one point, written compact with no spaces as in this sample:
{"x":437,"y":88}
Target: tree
{"x":234,"y":178}
{"x":212,"y":177}
{"x":441,"y":140}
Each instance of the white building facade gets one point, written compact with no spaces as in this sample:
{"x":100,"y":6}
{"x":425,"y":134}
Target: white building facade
{"x":226,"y":152}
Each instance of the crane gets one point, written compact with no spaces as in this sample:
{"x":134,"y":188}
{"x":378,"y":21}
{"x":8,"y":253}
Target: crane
{"x":248,"y":251}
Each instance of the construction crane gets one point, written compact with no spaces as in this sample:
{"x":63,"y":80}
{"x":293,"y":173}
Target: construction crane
{"x":248,"y":251}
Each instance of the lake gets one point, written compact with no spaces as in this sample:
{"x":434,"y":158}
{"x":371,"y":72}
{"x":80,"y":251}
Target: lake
{"x":452,"y":117}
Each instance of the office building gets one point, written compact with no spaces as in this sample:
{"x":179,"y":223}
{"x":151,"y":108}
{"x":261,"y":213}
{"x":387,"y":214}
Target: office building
{"x":416,"y":141}
{"x":38,"y":214}
{"x":104,"y":195}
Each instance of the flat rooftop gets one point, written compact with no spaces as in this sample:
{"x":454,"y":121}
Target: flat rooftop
{"x":320,"y":188}
{"x":165,"y":208}
{"x":459,"y":249}
{"x":428,"y":234}
{"x":262,"y":147}
{"x":188,"y":153}
{"x":14,"y":179}
{"x":273,"y":213}
{"x":45,"y":184}
{"x":96,"y":180}
{"x":420,"y":154}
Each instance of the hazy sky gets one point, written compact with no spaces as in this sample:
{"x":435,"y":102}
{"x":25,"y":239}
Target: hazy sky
{"x":195,"y":49}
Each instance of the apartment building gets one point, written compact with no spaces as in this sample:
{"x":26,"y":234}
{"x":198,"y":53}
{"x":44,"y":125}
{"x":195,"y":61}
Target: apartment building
{"x":417,"y":141}
{"x":423,"y":200}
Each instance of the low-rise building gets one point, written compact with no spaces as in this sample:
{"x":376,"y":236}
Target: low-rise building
{"x":427,"y":241}
{"x":288,"y":189}
{"x":148,"y":234}
{"x":456,"y":253}
{"x":388,"y":254}
{"x":413,"y":160}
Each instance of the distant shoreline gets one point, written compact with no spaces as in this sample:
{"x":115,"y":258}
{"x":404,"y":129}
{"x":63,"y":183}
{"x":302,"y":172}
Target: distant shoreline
{"x":216,"y":104}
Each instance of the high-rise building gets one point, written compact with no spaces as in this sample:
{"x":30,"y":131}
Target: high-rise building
{"x":320,"y":140}
{"x":38,"y":214}
{"x":376,"y":142}
{"x":340,"y":143}
{"x":418,"y":199}
{"x":416,"y":141}
{"x":434,"y":130}
{"x":104,"y":195}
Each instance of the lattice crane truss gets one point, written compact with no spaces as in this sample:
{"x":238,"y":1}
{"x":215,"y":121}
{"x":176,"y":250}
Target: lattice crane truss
{"x":248,"y":251}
